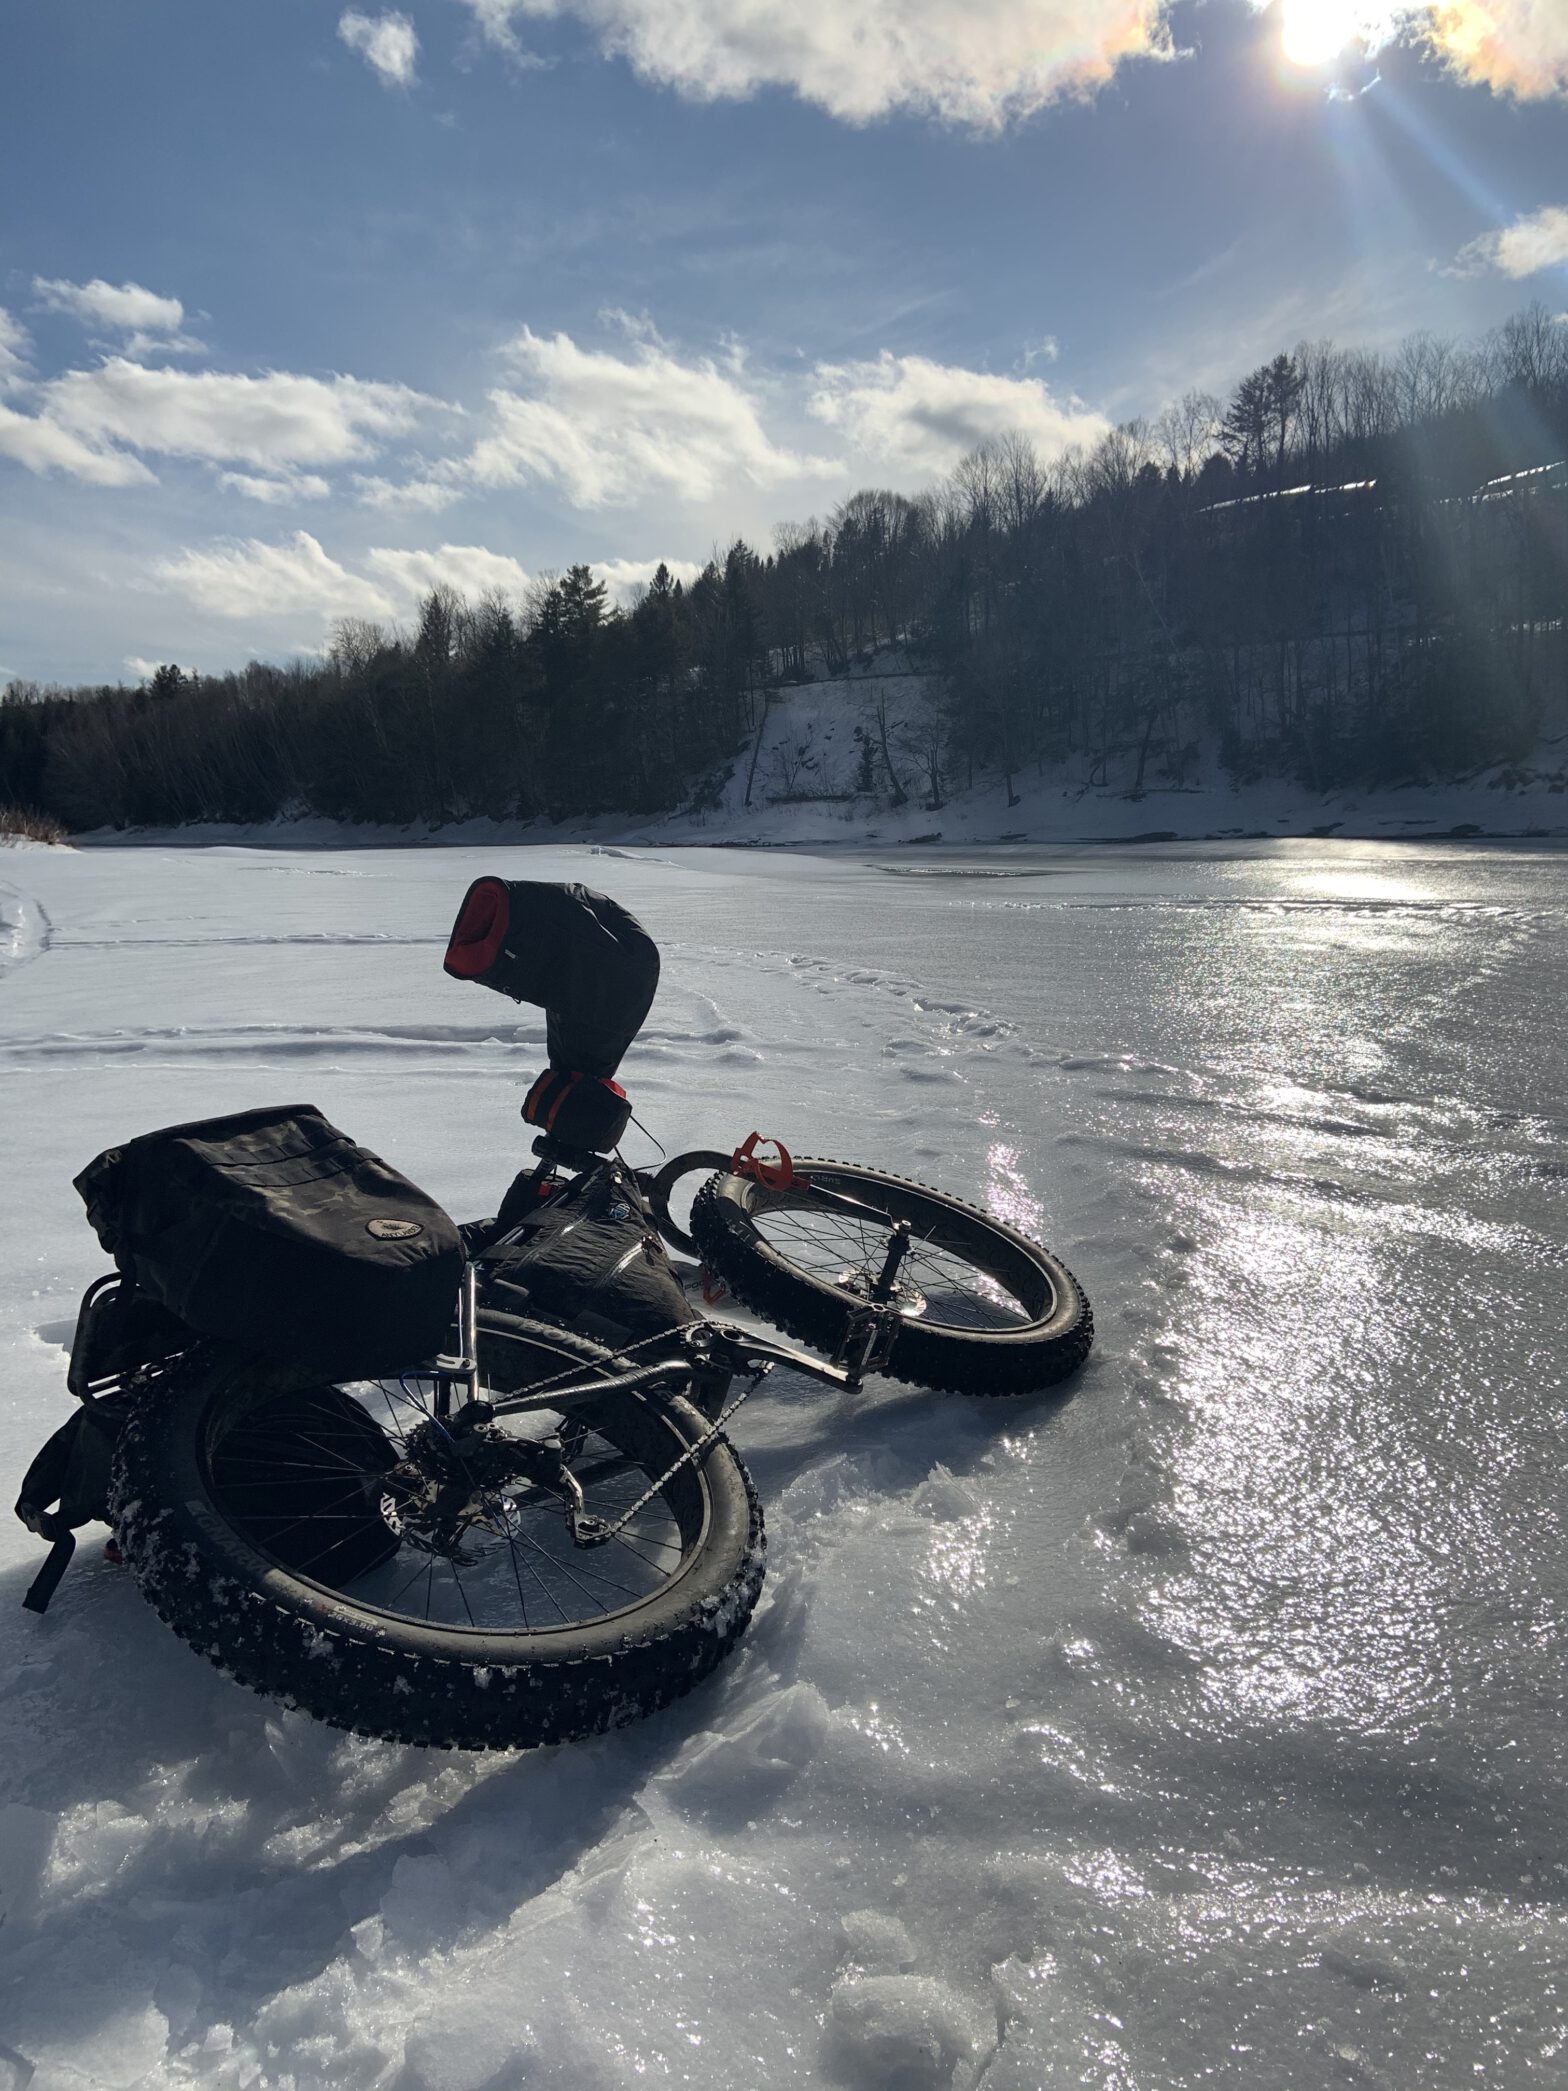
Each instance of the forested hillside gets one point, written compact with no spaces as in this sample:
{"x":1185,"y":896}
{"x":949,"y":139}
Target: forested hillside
{"x":1356,"y":568}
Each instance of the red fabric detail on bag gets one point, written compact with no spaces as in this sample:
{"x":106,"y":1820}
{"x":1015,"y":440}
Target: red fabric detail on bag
{"x":568,"y":1084}
{"x":479,"y":933}
{"x":533,"y":1103}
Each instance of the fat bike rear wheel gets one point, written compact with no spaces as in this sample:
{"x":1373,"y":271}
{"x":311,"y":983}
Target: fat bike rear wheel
{"x":343,"y":1549}
{"x":981,"y":1308}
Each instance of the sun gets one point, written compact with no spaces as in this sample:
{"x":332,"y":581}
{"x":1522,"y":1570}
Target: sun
{"x":1314,"y":31}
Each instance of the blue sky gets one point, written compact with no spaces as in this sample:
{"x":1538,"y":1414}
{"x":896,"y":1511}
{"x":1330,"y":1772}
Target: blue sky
{"x":304,"y":307}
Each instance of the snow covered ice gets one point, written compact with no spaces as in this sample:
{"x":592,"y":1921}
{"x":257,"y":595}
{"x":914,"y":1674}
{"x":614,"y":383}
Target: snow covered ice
{"x":1204,"y":1727}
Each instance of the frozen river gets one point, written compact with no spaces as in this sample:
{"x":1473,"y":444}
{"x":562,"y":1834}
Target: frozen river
{"x":1206,"y":1727}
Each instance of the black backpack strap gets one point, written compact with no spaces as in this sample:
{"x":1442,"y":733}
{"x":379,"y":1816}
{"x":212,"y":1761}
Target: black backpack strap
{"x":72,"y":1470}
{"x":56,"y":1562}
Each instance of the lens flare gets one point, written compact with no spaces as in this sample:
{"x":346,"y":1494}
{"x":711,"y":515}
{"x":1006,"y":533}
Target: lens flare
{"x":1314,"y":31}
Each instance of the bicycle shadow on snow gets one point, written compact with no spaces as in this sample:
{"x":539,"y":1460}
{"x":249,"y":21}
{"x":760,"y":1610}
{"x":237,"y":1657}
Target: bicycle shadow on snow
{"x":169,"y":1837}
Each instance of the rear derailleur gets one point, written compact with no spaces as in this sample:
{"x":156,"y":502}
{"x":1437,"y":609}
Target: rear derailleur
{"x":462,"y":1480}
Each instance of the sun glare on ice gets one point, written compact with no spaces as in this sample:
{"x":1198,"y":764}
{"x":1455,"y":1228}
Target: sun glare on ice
{"x":1314,"y":31}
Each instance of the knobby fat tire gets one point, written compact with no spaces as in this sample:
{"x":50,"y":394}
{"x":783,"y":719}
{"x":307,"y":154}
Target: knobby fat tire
{"x":378,"y":1674}
{"x":1021,"y":1360}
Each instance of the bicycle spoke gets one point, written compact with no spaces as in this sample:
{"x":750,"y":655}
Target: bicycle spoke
{"x":945,"y":1278}
{"x":304,"y":1481}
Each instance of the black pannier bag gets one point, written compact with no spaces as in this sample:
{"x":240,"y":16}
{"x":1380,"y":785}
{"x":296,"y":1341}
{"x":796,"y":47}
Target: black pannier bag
{"x":592,"y":968}
{"x":273,"y":1230}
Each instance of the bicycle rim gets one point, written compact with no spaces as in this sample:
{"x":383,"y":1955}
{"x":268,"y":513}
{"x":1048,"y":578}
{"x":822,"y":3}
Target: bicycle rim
{"x":360,"y":1491}
{"x":958,"y":1273}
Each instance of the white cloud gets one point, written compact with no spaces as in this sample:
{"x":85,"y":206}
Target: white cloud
{"x":14,"y":345}
{"x":913,"y":416}
{"x":254,"y":581}
{"x":43,"y":446}
{"x":988,"y":62}
{"x":387,"y":43}
{"x":142,"y":344}
{"x":272,"y":422}
{"x":979,"y":62}
{"x":470,"y":569}
{"x":251,"y":579}
{"x":124,"y":306}
{"x":275,"y":492}
{"x":395,"y":497}
{"x":1517,"y":47}
{"x":611,"y":430}
{"x":143,"y":670}
{"x":627,"y":578}
{"x":247,"y":578}
{"x":1530,"y":244}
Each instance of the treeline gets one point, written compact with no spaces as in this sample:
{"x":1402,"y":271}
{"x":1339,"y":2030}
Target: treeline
{"x":1355,"y":568}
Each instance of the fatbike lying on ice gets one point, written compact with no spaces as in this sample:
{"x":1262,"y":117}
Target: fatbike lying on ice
{"x":520,"y":1522}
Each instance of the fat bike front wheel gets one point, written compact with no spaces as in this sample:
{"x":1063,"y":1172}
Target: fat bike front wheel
{"x":981,"y":1309}
{"x":344,"y":1549}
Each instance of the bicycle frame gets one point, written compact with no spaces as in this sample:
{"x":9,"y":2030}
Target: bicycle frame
{"x":708,"y":1343}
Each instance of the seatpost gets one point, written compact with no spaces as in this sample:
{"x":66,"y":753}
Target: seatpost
{"x":463,"y":1370}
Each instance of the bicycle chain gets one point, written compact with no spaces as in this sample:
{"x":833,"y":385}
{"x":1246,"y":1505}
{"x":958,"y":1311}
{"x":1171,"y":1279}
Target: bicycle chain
{"x":693,"y":1451}
{"x":698,"y":1446}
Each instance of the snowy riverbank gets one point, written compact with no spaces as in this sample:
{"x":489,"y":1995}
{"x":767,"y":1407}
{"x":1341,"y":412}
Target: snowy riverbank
{"x":793,"y":787}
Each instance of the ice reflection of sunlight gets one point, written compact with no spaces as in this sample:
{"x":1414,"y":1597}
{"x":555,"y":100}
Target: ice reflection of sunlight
{"x":1008,"y":1194}
{"x":1356,"y":884}
{"x":1319,"y":1536}
{"x":956,"y":1558}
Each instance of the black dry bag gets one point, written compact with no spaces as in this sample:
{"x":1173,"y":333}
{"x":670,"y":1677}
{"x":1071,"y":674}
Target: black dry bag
{"x":578,"y":955}
{"x":275,"y":1231}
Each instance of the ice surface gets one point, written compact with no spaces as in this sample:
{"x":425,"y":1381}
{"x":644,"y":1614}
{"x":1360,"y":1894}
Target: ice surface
{"x":1204,"y":1728}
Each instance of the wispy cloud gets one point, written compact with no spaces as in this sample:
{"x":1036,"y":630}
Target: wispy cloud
{"x":915,"y":417}
{"x":125,"y":307}
{"x":43,"y":446}
{"x":611,"y":430}
{"x":471,"y":569}
{"x":252,"y":580}
{"x":388,"y":44}
{"x":87,"y":421}
{"x":249,"y":579}
{"x":148,"y":323}
{"x":1530,"y":244}
{"x":409,"y":496}
{"x":276,"y":490}
{"x":14,"y":346}
{"x":627,"y":578}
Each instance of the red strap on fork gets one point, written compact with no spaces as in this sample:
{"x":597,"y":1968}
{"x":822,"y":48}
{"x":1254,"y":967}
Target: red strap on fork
{"x":773,"y":1176}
